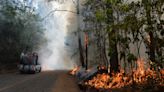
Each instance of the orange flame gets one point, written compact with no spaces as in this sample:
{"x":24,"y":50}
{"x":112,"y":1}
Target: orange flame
{"x":73,"y":72}
{"x":141,"y":75}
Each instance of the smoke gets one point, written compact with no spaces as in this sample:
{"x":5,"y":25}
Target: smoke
{"x":57,"y":53}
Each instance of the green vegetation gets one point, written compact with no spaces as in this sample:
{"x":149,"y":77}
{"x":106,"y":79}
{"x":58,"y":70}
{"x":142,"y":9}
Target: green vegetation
{"x":123,"y":24}
{"x":20,"y":29}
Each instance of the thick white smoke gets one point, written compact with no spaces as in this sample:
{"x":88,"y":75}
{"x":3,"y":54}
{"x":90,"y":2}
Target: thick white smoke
{"x":57,"y":53}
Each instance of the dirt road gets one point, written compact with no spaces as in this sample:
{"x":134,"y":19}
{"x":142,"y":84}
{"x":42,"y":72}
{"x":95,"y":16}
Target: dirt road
{"x":52,"y":81}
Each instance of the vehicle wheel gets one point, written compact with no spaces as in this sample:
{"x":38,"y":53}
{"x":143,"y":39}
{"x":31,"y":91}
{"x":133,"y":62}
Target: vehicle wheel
{"x":40,"y":70}
{"x":21,"y":72}
{"x":33,"y":72}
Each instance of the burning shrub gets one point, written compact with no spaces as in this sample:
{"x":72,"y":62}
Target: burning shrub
{"x":139,"y":77}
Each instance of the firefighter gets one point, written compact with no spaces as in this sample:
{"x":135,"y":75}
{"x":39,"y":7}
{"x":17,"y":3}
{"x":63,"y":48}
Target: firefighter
{"x":22,"y":57}
{"x":35,"y":58}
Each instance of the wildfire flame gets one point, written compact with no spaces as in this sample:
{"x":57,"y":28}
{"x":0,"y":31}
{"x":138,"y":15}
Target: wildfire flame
{"x":73,"y":72}
{"x":141,"y":75}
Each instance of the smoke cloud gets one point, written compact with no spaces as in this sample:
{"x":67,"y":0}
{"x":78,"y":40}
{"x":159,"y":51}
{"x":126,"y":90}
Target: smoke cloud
{"x":57,"y":53}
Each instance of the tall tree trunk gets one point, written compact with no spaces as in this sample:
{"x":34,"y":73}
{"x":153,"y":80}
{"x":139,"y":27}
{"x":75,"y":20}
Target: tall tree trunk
{"x":86,"y":54}
{"x":81,"y":53}
{"x":152,"y":47}
{"x":114,"y":67}
{"x":105,"y":55}
{"x":86,"y":51}
{"x":150,"y":28}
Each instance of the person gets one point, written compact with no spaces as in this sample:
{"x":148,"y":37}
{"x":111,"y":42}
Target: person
{"x":35,"y":58}
{"x":22,"y":57}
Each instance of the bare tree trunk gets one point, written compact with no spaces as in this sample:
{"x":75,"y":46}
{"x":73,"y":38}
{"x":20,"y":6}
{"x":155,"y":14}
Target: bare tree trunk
{"x":81,"y":53}
{"x":152,"y":47}
{"x":114,"y":67}
{"x":105,"y":56}
{"x":86,"y":60}
{"x":150,"y":28}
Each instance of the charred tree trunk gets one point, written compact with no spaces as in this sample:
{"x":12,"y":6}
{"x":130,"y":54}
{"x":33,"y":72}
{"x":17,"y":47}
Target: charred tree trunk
{"x":104,"y":52}
{"x":114,"y":67}
{"x":86,"y":51}
{"x":147,"y":5}
{"x":79,"y":39}
{"x":86,"y":60}
{"x":152,"y":47}
{"x":81,"y":53}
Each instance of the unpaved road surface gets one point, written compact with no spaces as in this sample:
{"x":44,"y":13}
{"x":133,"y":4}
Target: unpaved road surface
{"x":52,"y":81}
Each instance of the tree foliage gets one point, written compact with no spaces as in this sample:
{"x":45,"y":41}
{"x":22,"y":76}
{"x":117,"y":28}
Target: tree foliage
{"x":20,"y":29}
{"x":129,"y":23}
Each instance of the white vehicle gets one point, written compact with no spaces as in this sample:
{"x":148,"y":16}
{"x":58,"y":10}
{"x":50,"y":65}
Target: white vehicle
{"x":29,"y":68}
{"x":29,"y":64}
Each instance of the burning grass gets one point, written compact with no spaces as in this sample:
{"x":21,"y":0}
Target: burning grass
{"x":140,"y":78}
{"x":73,"y":72}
